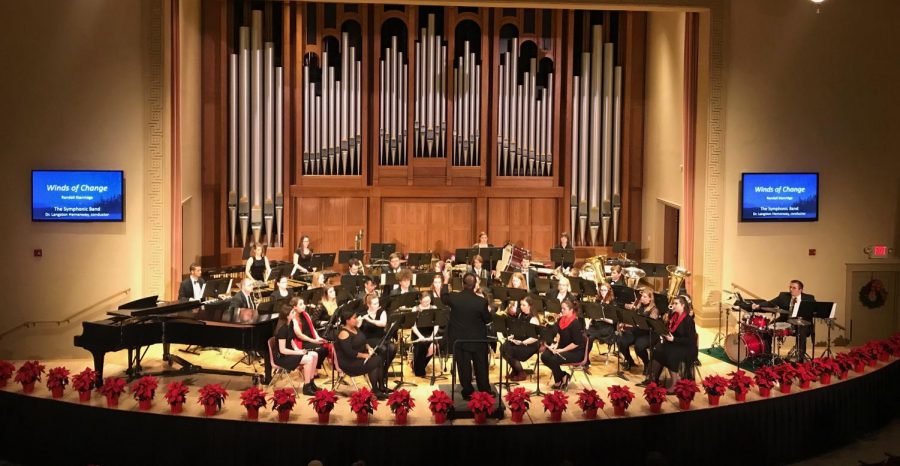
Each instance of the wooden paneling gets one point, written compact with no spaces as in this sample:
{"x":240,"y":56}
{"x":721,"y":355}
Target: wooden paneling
{"x":418,"y":225}
{"x":528,"y":223}
{"x":331,"y":223}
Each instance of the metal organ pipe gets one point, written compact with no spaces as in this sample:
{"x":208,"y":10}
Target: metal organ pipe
{"x":617,"y":151}
{"x":584,"y":119}
{"x":279,"y":155}
{"x":232,"y":147}
{"x":268,"y":141}
{"x":394,"y":108}
{"x":576,"y":147}
{"x":606,"y":207}
{"x":430,"y":120}
{"x":256,"y":114}
{"x":244,"y":134}
{"x":596,"y":123}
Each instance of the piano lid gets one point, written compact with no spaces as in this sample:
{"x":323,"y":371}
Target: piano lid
{"x":149,"y":306}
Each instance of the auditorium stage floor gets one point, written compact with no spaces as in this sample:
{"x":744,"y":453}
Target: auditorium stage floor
{"x":602,"y":376}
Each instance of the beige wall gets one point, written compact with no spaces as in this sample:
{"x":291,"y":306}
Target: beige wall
{"x":72,"y":95}
{"x":813,"y":92}
{"x":190,"y":132}
{"x":663,"y":134}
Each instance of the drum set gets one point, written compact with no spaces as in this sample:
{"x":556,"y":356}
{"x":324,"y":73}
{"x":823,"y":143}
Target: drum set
{"x":760,"y":336}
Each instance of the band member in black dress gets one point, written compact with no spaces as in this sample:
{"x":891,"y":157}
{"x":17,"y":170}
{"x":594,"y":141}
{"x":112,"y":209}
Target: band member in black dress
{"x":281,"y":290}
{"x":305,"y":334}
{"x":438,"y":288}
{"x":636,"y":337}
{"x":603,"y":330}
{"x":289,"y":357}
{"x":257,"y":266}
{"x":468,"y":321}
{"x":679,"y":348}
{"x":570,"y":346}
{"x":302,"y":257}
{"x":564,"y":243}
{"x":562,"y":292}
{"x":424,"y":345}
{"x":356,"y":357}
{"x":373,"y":324}
{"x":517,"y":348}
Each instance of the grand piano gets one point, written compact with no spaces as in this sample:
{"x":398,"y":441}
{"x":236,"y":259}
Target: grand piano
{"x":145,"y":322}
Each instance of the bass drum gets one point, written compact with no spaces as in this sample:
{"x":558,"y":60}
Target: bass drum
{"x":750,"y":345}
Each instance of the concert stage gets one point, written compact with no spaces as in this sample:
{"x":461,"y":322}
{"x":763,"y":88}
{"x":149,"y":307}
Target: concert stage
{"x":760,"y":431}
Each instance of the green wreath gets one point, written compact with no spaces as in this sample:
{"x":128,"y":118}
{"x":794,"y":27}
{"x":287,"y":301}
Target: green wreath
{"x":873,"y":295}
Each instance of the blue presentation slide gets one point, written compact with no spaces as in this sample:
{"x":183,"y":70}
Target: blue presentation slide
{"x":780,"y":196}
{"x":92,"y":196}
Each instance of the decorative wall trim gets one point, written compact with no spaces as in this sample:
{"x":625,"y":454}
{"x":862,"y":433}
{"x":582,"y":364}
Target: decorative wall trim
{"x":155,"y":174}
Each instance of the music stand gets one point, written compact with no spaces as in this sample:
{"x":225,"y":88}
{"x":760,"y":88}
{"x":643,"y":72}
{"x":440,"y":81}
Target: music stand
{"x":312,"y":296}
{"x":628,"y":247}
{"x":588,"y":288}
{"x":353,"y":282}
{"x":403,"y":300}
{"x":464,"y":256}
{"x":345,"y":255}
{"x":214,"y":288}
{"x":423,"y":279}
{"x":601,"y":311}
{"x":562,"y":257}
{"x":439,"y":316}
{"x":418,"y":259}
{"x":491,"y":256}
{"x":382,"y":250}
{"x":500,"y":324}
{"x":404,"y":321}
{"x":529,"y":330}
{"x":322,"y":260}
{"x":624,"y":295}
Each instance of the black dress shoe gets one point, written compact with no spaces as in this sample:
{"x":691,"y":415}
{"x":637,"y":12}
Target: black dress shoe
{"x":644,"y":383}
{"x":308,"y":390}
{"x":381,"y":395}
{"x":467,"y":396}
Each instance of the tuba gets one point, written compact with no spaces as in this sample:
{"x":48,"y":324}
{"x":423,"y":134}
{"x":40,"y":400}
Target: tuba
{"x":633,"y":276}
{"x":677,"y":275}
{"x":597,"y":266}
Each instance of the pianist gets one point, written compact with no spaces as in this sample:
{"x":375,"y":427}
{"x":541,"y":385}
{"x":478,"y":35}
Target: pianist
{"x":191,"y":288}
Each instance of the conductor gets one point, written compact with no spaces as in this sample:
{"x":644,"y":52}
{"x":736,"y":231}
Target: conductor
{"x":468,"y":321}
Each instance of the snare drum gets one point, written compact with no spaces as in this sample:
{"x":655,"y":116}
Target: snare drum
{"x":755,"y":322}
{"x":749,"y":343}
{"x":781,"y":329}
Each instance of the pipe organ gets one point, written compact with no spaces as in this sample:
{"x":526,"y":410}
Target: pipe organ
{"x":520,"y":103}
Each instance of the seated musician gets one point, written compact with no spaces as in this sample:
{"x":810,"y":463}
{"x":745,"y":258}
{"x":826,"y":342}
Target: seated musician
{"x":373,"y":324}
{"x":569,"y":347}
{"x":442,"y":268}
{"x":617,"y":277}
{"x":257,"y":266}
{"x":562,"y":292}
{"x":600,"y":329}
{"x":678,"y":349}
{"x":477,"y":268}
{"x":404,"y":283}
{"x":422,"y":349}
{"x":394,"y":263}
{"x":354,"y":267}
{"x":790,"y":301}
{"x":517,"y":281}
{"x":305,"y":334}
{"x":302,"y":257}
{"x":318,"y":280}
{"x":241,"y":300}
{"x":517,"y":348}
{"x":327,"y":305}
{"x":289,"y":357}
{"x":529,"y":276}
{"x":438,"y":287}
{"x":369,"y":287}
{"x":636,"y":337}
{"x":281,"y":289}
{"x":191,"y":288}
{"x":356,"y":357}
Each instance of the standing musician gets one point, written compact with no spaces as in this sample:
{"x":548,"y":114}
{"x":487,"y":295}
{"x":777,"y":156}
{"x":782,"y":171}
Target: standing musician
{"x":468,"y":321}
{"x":422,"y":349}
{"x":570,"y":346}
{"x":679,"y":347}
{"x":790,"y":301}
{"x":289,"y":357}
{"x":305,"y":334}
{"x":603,"y":329}
{"x":517,"y":348}
{"x":373,"y":324}
{"x":404,"y":283}
{"x":257,"y":266}
{"x":617,"y":276}
{"x":482,"y":241}
{"x":242,"y":300}
{"x":636,"y":337}
{"x":564,"y":243}
{"x":356,"y":357}
{"x":302,"y":257}
{"x":192,"y":287}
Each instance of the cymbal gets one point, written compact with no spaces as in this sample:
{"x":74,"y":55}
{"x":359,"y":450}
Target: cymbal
{"x":770,"y":310}
{"x":800,"y":322}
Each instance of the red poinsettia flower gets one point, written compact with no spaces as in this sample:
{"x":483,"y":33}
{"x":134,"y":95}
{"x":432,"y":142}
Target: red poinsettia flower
{"x":715,"y":385}
{"x":740,"y":381}
{"x":589,"y":399}
{"x":363,"y":400}
{"x":6,"y":370}
{"x":284,"y":399}
{"x":176,"y":392}
{"x":400,"y":401}
{"x":212,"y":395}
{"x":439,"y":402}
{"x":846,"y":361}
{"x":555,"y":401}
{"x":765,"y":377}
{"x":145,"y":388}
{"x":805,"y":372}
{"x":30,"y":372}
{"x":58,"y":377}
{"x":518,"y":399}
{"x":253,"y":397}
{"x":785,"y":373}
{"x":323,"y":401}
{"x":113,"y":387}
{"x":654,"y":394}
{"x":620,"y":394}
{"x":685,"y":389}
{"x":85,"y":380}
{"x":482,"y":402}
{"x":826,"y":366}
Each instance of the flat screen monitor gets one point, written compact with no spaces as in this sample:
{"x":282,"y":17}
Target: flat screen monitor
{"x":780,"y":197}
{"x":77,"y":196}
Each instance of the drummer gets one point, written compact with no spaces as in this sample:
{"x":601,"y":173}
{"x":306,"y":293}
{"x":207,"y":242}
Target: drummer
{"x":790,"y":301}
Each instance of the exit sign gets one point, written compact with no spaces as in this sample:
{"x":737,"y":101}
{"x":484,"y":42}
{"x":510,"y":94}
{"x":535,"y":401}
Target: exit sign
{"x":878,"y":251}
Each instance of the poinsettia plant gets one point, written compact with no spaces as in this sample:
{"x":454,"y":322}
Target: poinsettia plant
{"x":253,"y":397}
{"x":654,"y":394}
{"x":176,"y":393}
{"x":765,"y":377}
{"x":212,"y":395}
{"x":283,"y":399}
{"x":58,"y":377}
{"x":363,"y":400}
{"x":740,"y":382}
{"x":323,"y":401}
{"x":785,"y":373}
{"x":589,"y":399}
{"x":863,"y":354}
{"x":685,"y":389}
{"x":145,"y":388}
{"x":113,"y":387}
{"x":482,"y":402}
{"x":877,"y":348}
{"x":518,"y":399}
{"x":826,"y":366}
{"x":555,"y":401}
{"x":439,"y":402}
{"x":620,"y":395}
{"x":401,"y":402}
{"x":29,"y":372}
{"x":805,"y":372}
{"x":846,"y":361}
{"x":893,"y":346}
{"x":6,"y":370}
{"x":85,"y":380}
{"x":715,"y":385}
